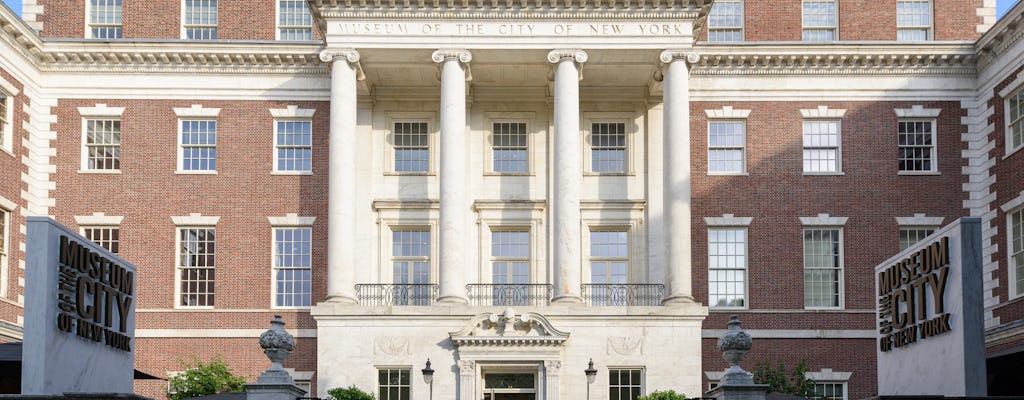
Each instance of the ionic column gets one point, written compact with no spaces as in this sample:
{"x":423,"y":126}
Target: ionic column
{"x":567,"y":175}
{"x":454,"y":204}
{"x":677,"y":202}
{"x":341,"y":208}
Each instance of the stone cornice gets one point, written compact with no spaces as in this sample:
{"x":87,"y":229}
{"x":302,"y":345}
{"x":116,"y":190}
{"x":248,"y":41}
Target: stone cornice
{"x":836,"y":59}
{"x":1005,"y":33}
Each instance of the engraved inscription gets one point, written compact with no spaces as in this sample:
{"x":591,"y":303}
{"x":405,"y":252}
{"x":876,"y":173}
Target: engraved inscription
{"x":508,"y":29}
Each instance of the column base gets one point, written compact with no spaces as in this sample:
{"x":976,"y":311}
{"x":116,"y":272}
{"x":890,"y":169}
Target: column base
{"x":452,"y":300}
{"x":567,"y":299}
{"x":678,"y":299}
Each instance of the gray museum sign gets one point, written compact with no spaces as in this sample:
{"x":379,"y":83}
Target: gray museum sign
{"x":930,"y":323}
{"x":79,"y":314}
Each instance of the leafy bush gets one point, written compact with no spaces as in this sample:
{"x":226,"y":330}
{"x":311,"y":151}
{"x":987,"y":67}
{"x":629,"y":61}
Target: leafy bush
{"x":781,"y":381}
{"x":200,"y":379}
{"x":663,"y":395}
{"x":349,"y":393}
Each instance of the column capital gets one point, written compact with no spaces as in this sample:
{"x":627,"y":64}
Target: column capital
{"x":669,"y":56}
{"x":329,"y":55}
{"x":558,"y":55}
{"x":462,"y":55}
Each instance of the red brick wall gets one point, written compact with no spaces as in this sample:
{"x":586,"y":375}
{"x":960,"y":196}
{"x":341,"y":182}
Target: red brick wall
{"x":776,"y":194}
{"x":236,"y":19}
{"x":1009,"y":173}
{"x":11,"y":186}
{"x":243,"y":193}
{"x":841,"y":355}
{"x":157,"y":356}
{"x":773,"y":20}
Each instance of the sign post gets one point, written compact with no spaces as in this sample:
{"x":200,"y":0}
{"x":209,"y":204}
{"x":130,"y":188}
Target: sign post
{"x":79,"y":314}
{"x":931,"y":338}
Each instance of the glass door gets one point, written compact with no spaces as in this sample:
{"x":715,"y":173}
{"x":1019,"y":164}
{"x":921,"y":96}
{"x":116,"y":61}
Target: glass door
{"x":510,"y":386}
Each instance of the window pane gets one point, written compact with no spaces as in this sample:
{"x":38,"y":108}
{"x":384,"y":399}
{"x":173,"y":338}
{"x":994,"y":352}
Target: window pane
{"x":608,"y":147}
{"x":509,"y":143}
{"x":913,"y":19}
{"x":725,"y":22}
{"x":411,"y":147}
{"x":727,"y":263}
{"x":822,"y":267}
{"x":726,"y":141}
{"x":196,"y":266}
{"x":626,"y":384}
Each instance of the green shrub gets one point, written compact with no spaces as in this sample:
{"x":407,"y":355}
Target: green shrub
{"x":779,"y":380}
{"x":663,"y":395}
{"x":200,"y":379}
{"x":349,"y":393}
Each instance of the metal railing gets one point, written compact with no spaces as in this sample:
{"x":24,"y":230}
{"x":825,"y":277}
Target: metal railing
{"x":623,"y":294}
{"x":513,"y":294}
{"x":399,"y":294}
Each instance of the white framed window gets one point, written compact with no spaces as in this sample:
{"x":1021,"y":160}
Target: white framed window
{"x":510,"y":255}
{"x":198,"y":145}
{"x":913,"y":234}
{"x":6,"y":120}
{"x":725,"y":22}
{"x":109,"y":237}
{"x":917,"y":146}
{"x":197,"y":262}
{"x":292,"y":267}
{"x":410,"y":140}
{"x":727,"y":147}
{"x":102,"y":144}
{"x":104,"y":19}
{"x":199,"y":19}
{"x":830,"y":390}
{"x":913,"y":20}
{"x":822,"y":145}
{"x":410,"y":260}
{"x":393,"y":383}
{"x":727,"y":267}
{"x":294,"y":146}
{"x":1015,"y":121}
{"x":625,"y":383}
{"x":829,"y":384}
{"x":5,"y":243}
{"x":510,"y":147}
{"x":1015,"y":243}
{"x":608,"y":147}
{"x":820,"y":20}
{"x":294,"y":21}
{"x":609,"y":255}
{"x":823,"y":267}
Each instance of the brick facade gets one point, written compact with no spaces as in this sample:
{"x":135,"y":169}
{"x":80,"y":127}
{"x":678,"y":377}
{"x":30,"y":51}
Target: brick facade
{"x":11,"y":187}
{"x":1009,"y":174}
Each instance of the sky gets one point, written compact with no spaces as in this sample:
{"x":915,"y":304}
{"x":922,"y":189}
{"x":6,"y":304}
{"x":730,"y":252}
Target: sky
{"x":1001,"y":6}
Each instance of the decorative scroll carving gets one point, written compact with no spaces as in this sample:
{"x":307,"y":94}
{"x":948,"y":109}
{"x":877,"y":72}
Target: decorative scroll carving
{"x":467,"y":367}
{"x":508,"y":329}
{"x":391,"y":345}
{"x":668,"y":56}
{"x":551,"y":367}
{"x":463,"y":56}
{"x":350,"y":55}
{"x":625,"y":346}
{"x":556,"y":56}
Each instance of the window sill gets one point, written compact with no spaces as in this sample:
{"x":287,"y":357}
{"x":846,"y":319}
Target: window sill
{"x":180,"y":307}
{"x":100,"y":171}
{"x":824,"y":173}
{"x":728,"y":174}
{"x":180,"y":172}
{"x":9,"y":152}
{"x":824,"y":309}
{"x":923,"y":173}
{"x":712,"y":308}
{"x":393,"y":173}
{"x":291,"y":173}
{"x":508,"y":174}
{"x":283,"y":308}
{"x":1012,"y":152}
{"x":608,"y":174}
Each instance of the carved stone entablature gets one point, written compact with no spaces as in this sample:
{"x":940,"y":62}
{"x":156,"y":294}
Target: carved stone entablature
{"x":509,"y":329}
{"x":158,"y":57}
{"x":836,"y":60}
{"x":661,"y":9}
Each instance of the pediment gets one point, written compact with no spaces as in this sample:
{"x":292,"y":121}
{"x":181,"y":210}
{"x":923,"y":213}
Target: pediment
{"x":508,"y":329}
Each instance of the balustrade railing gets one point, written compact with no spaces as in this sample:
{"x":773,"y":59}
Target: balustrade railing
{"x":399,"y":294}
{"x":623,"y":294}
{"x":513,"y":294}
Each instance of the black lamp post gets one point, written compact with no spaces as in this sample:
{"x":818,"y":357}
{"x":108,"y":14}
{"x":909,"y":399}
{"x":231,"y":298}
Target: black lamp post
{"x":428,"y":377}
{"x":591,"y":375}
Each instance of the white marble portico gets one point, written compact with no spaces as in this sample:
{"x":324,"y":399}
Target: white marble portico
{"x":557,"y":68}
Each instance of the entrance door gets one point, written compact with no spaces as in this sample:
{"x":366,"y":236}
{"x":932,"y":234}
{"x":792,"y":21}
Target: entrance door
{"x":510,"y":385}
